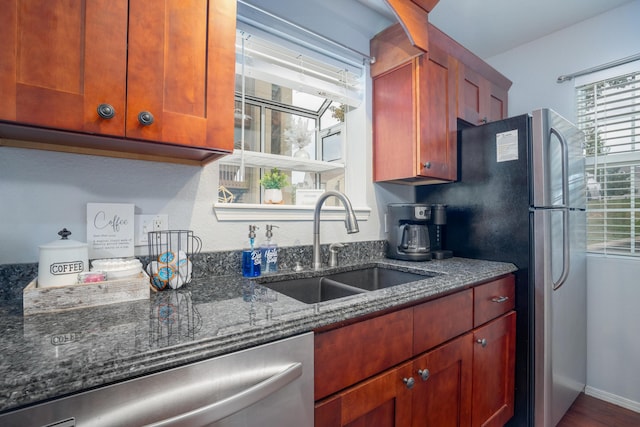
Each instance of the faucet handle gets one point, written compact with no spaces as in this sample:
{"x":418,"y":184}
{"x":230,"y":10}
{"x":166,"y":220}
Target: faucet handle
{"x":333,"y":247}
{"x":333,"y":253}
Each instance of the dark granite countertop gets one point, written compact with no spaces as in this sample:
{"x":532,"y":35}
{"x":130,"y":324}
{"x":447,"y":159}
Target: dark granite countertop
{"x":45,"y":356}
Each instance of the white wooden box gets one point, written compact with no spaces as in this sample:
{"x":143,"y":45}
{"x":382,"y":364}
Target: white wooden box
{"x":61,"y":298}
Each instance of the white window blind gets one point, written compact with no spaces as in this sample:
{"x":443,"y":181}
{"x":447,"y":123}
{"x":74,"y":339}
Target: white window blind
{"x":609,"y":114}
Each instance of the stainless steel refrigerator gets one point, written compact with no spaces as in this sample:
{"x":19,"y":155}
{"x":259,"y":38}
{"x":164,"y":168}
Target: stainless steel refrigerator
{"x":520,"y":198}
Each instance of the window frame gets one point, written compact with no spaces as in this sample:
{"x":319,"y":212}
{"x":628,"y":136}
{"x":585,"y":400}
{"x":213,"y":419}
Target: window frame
{"x":354,"y":177}
{"x":602,"y":220}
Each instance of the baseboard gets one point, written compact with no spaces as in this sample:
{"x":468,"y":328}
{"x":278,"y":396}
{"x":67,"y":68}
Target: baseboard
{"x":612,"y":398}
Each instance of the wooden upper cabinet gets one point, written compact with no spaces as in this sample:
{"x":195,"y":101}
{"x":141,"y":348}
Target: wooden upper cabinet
{"x":480,"y":100}
{"x":61,"y":60}
{"x":437,"y":133}
{"x":141,"y":70}
{"x":181,"y":68}
{"x":481,"y":91}
{"x":417,"y":97}
{"x":414,"y":123}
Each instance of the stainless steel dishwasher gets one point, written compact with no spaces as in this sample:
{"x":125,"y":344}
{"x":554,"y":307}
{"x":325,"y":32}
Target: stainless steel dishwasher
{"x":268,"y":386}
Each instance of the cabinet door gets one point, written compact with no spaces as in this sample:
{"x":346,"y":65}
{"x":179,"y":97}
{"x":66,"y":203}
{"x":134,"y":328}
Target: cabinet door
{"x":383,"y":401}
{"x":479,"y":100}
{"x":496,"y":101}
{"x":394,"y":124}
{"x":180,"y":71}
{"x":414,"y":127}
{"x":442,"y":394}
{"x":436,"y":117}
{"x":60,"y":60}
{"x":470,"y":106}
{"x":493,"y":372}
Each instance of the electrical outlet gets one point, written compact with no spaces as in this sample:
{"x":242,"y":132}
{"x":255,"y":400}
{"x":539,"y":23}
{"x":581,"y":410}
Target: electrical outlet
{"x":146,"y":223}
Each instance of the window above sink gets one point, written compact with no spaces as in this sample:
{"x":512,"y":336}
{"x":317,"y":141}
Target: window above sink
{"x":297,"y":110}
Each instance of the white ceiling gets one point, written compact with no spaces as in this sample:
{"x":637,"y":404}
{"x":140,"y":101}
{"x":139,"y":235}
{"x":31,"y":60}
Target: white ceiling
{"x":490,"y":27}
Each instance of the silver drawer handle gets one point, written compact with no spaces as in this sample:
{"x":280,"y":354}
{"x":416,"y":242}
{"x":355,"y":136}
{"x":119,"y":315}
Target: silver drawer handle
{"x":500,"y":299}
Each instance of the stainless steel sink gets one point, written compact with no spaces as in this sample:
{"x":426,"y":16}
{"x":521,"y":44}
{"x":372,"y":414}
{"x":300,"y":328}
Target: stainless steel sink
{"x":313,"y":289}
{"x":373,"y":278}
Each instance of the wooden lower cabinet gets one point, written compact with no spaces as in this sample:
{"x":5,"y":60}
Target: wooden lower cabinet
{"x":442,"y":394}
{"x":465,"y":379}
{"x":382,"y":401}
{"x":493,"y":371}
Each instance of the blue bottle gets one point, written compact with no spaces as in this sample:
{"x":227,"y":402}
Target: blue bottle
{"x":251,"y":256}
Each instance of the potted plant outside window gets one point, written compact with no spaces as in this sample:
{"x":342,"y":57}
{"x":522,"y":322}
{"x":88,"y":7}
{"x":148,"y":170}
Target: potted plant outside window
{"x":273,"y":182}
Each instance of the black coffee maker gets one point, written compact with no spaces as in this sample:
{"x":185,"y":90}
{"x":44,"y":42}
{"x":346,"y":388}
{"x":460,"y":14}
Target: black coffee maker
{"x":408,"y":231}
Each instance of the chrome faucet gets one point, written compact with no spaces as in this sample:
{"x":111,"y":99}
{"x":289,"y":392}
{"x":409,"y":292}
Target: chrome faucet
{"x":350,"y":222}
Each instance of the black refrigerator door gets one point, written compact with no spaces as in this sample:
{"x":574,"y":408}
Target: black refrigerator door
{"x":488,"y":207}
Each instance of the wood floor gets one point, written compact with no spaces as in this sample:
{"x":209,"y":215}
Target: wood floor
{"x":588,"y":411}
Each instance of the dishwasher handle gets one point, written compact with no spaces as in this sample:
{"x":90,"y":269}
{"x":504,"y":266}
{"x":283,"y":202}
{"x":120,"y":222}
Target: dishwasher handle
{"x":218,"y":410}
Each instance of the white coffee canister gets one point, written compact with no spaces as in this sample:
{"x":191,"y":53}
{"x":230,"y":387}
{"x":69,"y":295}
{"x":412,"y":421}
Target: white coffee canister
{"x":61,"y":261}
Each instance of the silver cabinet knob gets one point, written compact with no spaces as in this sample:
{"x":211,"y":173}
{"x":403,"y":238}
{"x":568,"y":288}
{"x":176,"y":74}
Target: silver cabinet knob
{"x":410,"y":382}
{"x":482,"y":342}
{"x":500,"y":299}
{"x":424,"y":374}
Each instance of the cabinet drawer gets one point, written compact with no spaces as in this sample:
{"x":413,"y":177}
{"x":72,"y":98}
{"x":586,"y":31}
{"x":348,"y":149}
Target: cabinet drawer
{"x":493,"y":299}
{"x":350,"y":354}
{"x":437,"y":321}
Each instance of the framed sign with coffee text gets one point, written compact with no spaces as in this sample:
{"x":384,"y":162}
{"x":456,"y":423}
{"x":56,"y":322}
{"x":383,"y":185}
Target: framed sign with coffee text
{"x":110,"y":230}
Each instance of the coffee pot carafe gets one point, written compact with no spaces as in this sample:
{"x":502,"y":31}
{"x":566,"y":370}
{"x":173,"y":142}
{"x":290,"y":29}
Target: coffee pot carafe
{"x":408,"y":232}
{"x":415,"y":238}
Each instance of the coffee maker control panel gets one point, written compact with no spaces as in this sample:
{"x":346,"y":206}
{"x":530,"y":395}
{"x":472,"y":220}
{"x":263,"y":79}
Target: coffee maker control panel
{"x":422,"y":212}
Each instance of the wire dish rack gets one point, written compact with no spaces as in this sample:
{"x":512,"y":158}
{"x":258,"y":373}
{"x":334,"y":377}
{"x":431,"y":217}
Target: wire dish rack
{"x":170,"y":258}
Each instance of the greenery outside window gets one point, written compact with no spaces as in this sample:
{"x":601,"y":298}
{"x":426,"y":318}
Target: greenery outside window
{"x":608,"y":112}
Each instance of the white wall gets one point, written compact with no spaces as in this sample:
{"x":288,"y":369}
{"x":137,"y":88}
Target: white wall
{"x":534,"y":67}
{"x":42,"y":192}
{"x":613,"y":286}
{"x":613,"y":362}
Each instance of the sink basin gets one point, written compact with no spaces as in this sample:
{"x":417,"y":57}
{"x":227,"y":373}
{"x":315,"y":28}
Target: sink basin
{"x":373,"y":278}
{"x":313,"y":289}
